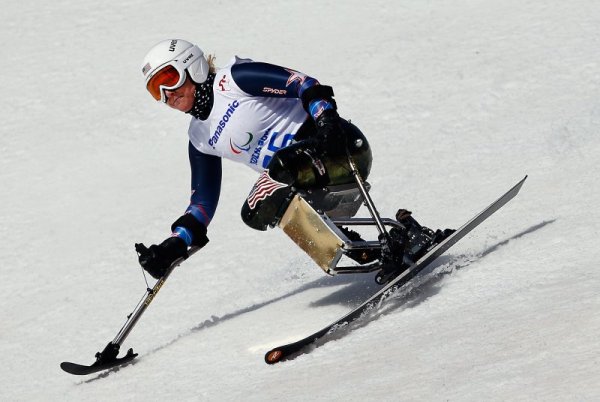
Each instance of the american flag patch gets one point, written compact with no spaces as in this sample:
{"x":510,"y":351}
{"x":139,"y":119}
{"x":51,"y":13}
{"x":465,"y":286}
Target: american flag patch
{"x":146,"y":68}
{"x":264,"y":187}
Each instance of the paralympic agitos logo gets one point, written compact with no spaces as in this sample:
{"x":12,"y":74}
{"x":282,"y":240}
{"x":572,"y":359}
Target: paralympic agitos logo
{"x":238,"y":149}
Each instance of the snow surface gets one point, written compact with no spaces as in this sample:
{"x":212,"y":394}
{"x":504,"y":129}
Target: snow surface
{"x":459,"y":100}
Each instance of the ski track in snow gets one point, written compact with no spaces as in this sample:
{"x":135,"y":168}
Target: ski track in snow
{"x":458,"y":101}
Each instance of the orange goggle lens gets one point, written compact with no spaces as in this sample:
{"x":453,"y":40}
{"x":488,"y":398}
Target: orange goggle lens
{"x":167,"y":77}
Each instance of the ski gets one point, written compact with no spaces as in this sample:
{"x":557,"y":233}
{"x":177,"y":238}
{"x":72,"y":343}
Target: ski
{"x":104,"y":360}
{"x":283,"y":352}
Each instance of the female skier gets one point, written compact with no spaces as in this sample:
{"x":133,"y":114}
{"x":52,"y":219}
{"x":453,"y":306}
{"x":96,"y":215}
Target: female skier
{"x":278,"y":121}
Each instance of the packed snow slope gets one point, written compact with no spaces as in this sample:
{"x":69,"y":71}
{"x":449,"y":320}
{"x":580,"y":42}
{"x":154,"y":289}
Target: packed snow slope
{"x":459,"y":100}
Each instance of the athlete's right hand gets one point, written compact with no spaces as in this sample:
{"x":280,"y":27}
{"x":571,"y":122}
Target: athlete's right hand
{"x":156,"y":259}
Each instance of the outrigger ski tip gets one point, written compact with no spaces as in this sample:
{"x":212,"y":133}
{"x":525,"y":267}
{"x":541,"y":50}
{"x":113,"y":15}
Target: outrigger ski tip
{"x":104,"y":360}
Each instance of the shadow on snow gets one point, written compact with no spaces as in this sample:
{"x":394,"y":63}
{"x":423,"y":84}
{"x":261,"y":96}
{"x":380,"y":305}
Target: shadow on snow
{"x":422,"y":287}
{"x":361,"y":286}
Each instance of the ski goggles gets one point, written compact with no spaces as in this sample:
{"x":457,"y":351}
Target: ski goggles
{"x":167,"y":78}
{"x":172,"y":75}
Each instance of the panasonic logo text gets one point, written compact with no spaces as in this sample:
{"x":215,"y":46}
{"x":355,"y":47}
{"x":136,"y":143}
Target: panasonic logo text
{"x":222,"y":123}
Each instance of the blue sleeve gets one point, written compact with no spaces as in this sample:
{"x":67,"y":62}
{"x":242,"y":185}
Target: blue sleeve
{"x":206,"y":185}
{"x":263,"y":79}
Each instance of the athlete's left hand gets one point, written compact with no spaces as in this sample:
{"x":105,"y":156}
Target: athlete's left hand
{"x":330,"y":133}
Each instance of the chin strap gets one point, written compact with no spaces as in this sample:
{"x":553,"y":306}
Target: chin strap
{"x":204,"y":98}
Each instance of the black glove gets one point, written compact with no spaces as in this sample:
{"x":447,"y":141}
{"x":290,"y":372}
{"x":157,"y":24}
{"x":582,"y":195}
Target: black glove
{"x":331,"y":137}
{"x":156,"y":259}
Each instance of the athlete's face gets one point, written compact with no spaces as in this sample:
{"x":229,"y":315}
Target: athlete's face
{"x":182,"y":98}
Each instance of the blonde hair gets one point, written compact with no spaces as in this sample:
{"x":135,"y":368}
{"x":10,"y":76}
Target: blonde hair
{"x":211,"y":63}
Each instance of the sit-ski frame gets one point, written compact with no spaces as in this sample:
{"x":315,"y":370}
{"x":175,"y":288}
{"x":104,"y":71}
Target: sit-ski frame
{"x":322,"y":239}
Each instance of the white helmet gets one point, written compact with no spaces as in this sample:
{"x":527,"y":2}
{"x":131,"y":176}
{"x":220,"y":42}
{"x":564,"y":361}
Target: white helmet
{"x":165,"y":66}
